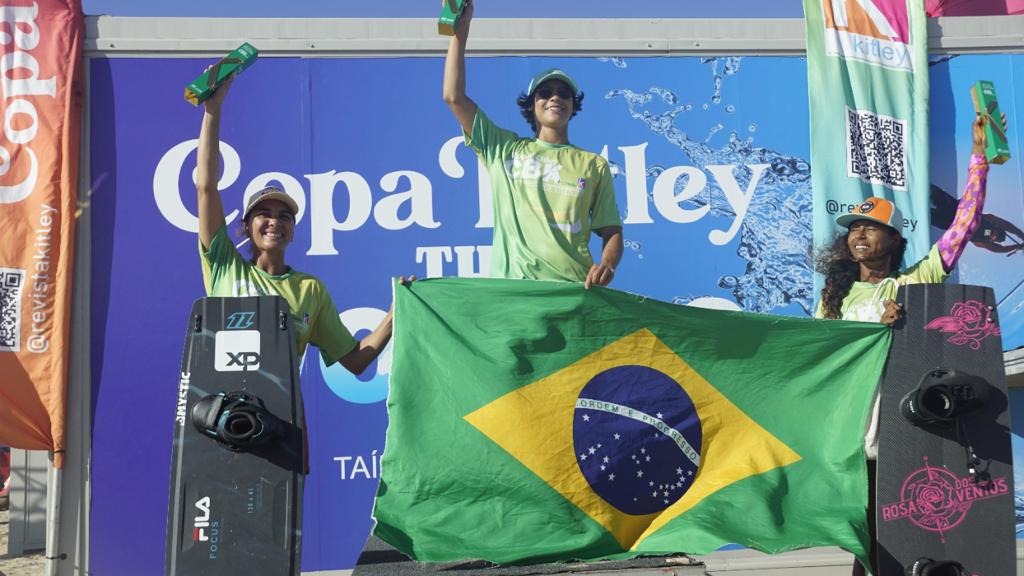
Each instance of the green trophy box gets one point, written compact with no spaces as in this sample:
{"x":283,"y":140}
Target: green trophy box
{"x":997,"y":149}
{"x":203,"y":87}
{"x":450,"y":14}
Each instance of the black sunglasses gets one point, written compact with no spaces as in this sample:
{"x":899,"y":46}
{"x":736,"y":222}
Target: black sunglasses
{"x":545,"y":92}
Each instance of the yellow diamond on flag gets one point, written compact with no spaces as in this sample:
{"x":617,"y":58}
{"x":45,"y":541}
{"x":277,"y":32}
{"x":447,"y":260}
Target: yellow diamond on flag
{"x":535,"y":424}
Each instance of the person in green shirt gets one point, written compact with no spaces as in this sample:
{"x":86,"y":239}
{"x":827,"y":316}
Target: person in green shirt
{"x":549,"y":196}
{"x":862,"y":273}
{"x":862,"y":266}
{"x":269,"y":224}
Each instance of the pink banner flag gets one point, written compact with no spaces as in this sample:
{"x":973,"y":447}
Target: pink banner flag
{"x":936,"y":8}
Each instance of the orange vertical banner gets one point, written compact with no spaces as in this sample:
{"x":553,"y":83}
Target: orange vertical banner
{"x":41,"y":82}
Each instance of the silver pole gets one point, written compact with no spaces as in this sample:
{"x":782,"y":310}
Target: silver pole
{"x":54,"y":481}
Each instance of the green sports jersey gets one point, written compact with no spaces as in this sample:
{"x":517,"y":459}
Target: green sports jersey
{"x":548,"y":198}
{"x":314,"y":317}
{"x":865,"y":300}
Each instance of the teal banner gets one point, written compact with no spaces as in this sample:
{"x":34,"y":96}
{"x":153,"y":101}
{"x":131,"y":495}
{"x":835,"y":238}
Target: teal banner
{"x":867,"y":76}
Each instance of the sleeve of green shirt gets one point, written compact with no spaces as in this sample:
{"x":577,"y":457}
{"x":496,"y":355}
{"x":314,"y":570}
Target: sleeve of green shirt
{"x":487,"y":138}
{"x":219,"y":257}
{"x":328,"y":333}
{"x":605,"y":211}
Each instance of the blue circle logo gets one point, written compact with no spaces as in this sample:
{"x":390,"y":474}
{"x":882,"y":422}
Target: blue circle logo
{"x":370,"y":388}
{"x":637,"y":438}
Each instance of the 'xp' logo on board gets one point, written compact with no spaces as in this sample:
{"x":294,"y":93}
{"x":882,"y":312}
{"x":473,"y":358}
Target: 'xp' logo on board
{"x":936,"y":500}
{"x":871,"y":31}
{"x":236,"y":350}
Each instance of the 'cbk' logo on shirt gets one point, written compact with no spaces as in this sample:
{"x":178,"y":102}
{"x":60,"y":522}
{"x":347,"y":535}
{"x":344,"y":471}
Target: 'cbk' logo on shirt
{"x":524,"y":167}
{"x":872,"y":31}
{"x":236,"y":350}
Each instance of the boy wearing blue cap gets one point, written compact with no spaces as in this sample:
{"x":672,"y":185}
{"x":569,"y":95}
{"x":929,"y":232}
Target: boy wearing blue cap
{"x":548,"y":194}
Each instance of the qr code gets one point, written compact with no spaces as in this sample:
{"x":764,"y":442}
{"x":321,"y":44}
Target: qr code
{"x":876,"y":148}
{"x":11,"y":282}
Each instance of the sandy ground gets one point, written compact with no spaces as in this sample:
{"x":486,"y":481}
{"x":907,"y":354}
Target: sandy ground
{"x":32,"y":564}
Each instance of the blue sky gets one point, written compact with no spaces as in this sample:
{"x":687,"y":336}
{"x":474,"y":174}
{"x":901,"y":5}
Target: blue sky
{"x":431,"y":8}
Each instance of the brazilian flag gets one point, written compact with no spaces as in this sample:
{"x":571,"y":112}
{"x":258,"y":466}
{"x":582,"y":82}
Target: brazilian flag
{"x":537,"y":421}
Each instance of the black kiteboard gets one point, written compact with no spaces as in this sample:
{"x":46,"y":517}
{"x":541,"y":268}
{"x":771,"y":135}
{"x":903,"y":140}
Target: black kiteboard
{"x":945,"y":475}
{"x":237,"y":472}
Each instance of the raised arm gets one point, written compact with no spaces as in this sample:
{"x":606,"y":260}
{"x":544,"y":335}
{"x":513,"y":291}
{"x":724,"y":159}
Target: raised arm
{"x":968,"y":210}
{"x":211,"y":211}
{"x":455,"y":73}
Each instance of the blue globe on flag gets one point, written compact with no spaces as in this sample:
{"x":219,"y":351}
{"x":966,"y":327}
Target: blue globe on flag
{"x":637,"y":438}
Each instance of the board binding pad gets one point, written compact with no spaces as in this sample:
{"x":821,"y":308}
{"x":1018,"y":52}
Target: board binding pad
{"x":238,"y":462}
{"x":931,"y":501}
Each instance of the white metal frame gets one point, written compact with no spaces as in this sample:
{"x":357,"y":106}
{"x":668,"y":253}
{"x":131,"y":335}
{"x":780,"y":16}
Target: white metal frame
{"x":338,"y":37}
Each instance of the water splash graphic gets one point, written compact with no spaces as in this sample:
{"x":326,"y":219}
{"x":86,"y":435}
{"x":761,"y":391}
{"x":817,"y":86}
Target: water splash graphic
{"x":775,"y":236}
{"x":617,"y":62}
{"x":634,"y":246}
{"x":730,"y":66}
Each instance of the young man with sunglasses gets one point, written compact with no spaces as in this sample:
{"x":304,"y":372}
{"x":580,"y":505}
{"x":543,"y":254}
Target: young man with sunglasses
{"x":548,"y":194}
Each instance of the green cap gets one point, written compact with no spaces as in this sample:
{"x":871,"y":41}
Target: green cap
{"x":553,"y":73}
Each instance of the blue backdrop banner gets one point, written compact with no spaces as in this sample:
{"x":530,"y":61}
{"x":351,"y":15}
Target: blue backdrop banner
{"x":709,"y":159}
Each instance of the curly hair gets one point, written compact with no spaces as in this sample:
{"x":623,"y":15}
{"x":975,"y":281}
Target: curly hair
{"x":836,"y":263}
{"x":525,"y":103}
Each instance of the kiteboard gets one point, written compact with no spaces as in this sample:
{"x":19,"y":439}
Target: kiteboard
{"x":235,"y":502}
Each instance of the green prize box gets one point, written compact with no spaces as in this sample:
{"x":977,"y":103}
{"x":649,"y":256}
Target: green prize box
{"x":997,"y":149}
{"x":450,"y":14}
{"x":203,"y":87}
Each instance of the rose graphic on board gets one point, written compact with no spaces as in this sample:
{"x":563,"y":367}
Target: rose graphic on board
{"x":969,"y":323}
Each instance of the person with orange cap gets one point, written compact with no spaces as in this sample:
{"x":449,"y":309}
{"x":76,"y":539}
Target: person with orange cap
{"x":862,"y":272}
{"x":862,"y":266}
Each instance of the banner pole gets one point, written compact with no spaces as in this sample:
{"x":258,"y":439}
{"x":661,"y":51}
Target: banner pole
{"x":53,"y":516}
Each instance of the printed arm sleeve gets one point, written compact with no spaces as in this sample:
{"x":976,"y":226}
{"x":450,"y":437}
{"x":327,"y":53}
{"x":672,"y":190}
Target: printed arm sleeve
{"x":968,"y":214}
